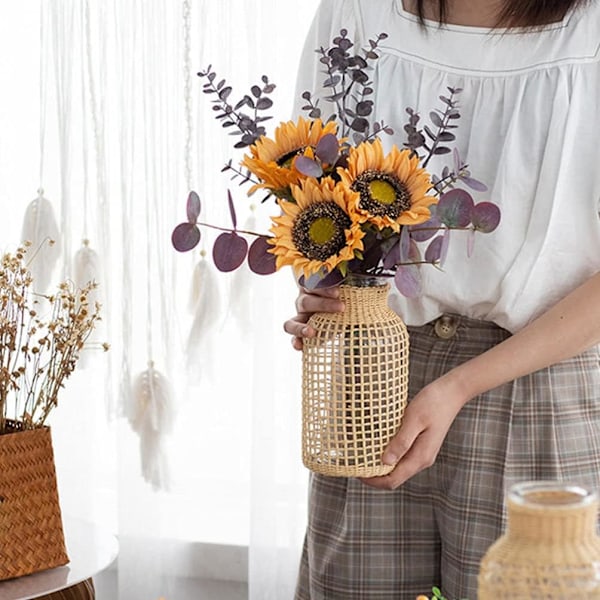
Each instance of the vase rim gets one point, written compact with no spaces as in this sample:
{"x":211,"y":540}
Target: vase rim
{"x":555,"y":494}
{"x":365,"y":280}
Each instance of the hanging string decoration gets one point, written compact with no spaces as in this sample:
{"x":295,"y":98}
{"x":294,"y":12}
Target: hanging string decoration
{"x":40,"y":226}
{"x":151,"y":408}
{"x":204,"y":302}
{"x":86,"y":262}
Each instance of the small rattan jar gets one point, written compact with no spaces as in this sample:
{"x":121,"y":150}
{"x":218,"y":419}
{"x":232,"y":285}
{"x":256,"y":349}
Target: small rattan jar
{"x":551,"y":549}
{"x":354,"y":382}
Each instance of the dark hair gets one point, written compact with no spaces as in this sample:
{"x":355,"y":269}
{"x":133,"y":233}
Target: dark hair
{"x":516,"y":13}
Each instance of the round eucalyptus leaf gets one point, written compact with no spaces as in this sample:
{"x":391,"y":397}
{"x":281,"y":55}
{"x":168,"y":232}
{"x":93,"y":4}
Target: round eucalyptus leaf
{"x":327,"y":149}
{"x":308,"y":166}
{"x":455,"y":208}
{"x":229,"y":251}
{"x":486,"y":217}
{"x":260,"y":260}
{"x":185,"y":237}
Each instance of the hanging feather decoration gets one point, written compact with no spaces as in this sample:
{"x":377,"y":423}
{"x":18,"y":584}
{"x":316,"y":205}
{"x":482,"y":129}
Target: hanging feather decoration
{"x":205,"y":307}
{"x":151,"y":414}
{"x":86,"y":269}
{"x":41,"y":230}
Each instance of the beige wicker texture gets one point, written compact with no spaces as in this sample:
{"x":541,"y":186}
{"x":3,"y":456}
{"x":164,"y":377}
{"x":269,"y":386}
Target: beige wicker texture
{"x":354,"y":385}
{"x":31,"y":531}
{"x":550,"y":551}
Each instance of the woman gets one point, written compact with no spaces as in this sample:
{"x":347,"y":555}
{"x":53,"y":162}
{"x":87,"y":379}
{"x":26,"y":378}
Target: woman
{"x":504,"y":367}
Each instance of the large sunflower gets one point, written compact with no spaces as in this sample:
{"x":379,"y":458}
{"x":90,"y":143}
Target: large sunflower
{"x":392,"y":188}
{"x":318,"y":231}
{"x":272,"y":160}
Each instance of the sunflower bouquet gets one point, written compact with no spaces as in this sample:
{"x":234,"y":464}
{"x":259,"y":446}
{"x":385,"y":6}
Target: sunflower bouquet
{"x":346,"y":204}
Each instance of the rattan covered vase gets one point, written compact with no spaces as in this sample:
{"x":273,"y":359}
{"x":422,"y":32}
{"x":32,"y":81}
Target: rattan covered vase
{"x":551,"y":549}
{"x":354,"y":383}
{"x":31,"y":529}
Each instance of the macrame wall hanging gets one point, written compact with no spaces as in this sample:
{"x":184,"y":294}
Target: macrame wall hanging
{"x":151,"y":408}
{"x":40,"y":227}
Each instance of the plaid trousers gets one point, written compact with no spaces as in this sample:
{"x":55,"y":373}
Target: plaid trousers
{"x":368,"y":544}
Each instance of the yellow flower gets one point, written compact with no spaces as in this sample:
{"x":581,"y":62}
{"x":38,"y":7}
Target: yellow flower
{"x":272,"y":160}
{"x":393,"y":188}
{"x":318,"y":231}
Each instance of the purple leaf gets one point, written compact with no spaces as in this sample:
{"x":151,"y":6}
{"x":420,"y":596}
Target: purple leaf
{"x":232,"y":209}
{"x":414,"y":254}
{"x":408,"y":280}
{"x":229,"y":251}
{"x":392,"y":258}
{"x":455,"y":208}
{"x":308,"y":166}
{"x":185,"y":237}
{"x":474,"y":184}
{"x":321,"y":280}
{"x":470,"y":243}
{"x":486,"y":217}
{"x":434,"y":250}
{"x":457,"y":161}
{"x":260,"y":260}
{"x":425,"y":231}
{"x":193,"y":207}
{"x":404,"y":244}
{"x":327,"y":149}
{"x":445,"y":246}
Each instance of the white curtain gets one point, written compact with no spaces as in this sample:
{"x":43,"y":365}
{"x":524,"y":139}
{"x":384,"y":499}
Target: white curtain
{"x":105,"y":93}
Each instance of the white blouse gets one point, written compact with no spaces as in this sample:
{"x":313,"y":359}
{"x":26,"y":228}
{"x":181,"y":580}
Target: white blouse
{"x":530,"y":130}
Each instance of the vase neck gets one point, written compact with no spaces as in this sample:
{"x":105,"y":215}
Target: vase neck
{"x":552,"y":513}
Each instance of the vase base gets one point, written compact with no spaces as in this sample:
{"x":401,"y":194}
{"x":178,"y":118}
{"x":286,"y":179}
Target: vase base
{"x":322,"y":467}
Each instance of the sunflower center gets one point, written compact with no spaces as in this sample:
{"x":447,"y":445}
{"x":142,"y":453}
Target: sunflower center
{"x":382,"y":194}
{"x":319,"y":230}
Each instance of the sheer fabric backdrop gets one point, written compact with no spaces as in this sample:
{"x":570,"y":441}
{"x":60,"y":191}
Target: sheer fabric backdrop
{"x":97,"y":88}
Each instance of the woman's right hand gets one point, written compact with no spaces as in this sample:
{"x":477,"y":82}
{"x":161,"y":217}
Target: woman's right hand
{"x":307,"y":303}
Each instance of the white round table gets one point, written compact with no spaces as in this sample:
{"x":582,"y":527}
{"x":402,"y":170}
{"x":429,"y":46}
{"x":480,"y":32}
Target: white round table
{"x":90,"y":550}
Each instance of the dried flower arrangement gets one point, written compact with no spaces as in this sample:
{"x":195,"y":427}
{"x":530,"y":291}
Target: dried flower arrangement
{"x":345,"y":205}
{"x":41,"y":337}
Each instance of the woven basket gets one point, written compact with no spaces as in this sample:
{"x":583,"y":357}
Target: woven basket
{"x":31,"y":531}
{"x":550,"y":551}
{"x":354,"y":384}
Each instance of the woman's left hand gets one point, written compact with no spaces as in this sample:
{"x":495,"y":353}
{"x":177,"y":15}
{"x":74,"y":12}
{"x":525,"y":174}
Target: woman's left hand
{"x":426,"y":421}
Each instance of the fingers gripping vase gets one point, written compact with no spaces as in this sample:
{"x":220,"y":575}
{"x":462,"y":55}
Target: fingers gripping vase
{"x":354,"y":383}
{"x":550,"y":551}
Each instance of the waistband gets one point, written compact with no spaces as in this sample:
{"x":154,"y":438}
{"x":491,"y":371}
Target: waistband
{"x":449,"y":326}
